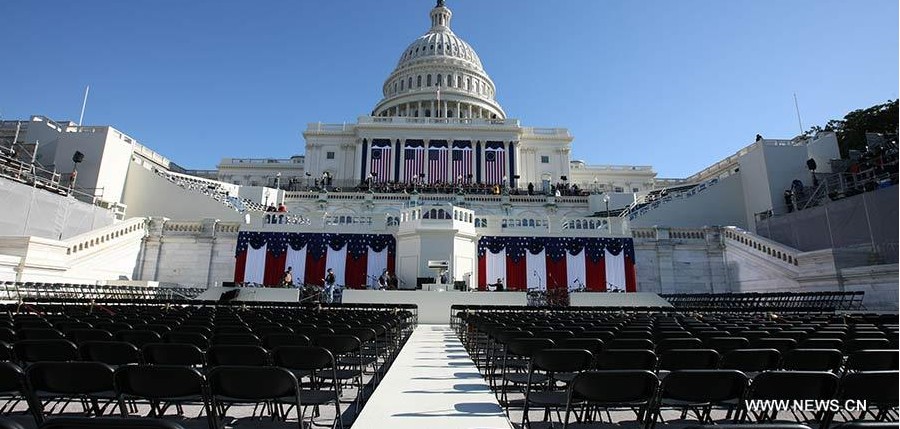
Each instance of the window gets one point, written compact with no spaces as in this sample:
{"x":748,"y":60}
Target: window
{"x":329,"y":155}
{"x":545,"y":159}
{"x":618,"y":189}
{"x":428,"y":80}
{"x":401,"y":85}
{"x":635,"y":190}
{"x":419,"y":82}
{"x":409,"y":82}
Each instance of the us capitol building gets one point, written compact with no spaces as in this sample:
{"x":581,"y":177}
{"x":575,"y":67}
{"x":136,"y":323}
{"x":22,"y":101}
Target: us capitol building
{"x":436,"y":171}
{"x":439,"y":97}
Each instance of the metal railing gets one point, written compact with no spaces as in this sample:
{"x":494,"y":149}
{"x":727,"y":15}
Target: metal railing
{"x":770,"y":301}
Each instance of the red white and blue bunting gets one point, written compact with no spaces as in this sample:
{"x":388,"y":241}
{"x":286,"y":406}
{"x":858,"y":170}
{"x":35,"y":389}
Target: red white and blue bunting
{"x":595,"y":264}
{"x":263,"y":257}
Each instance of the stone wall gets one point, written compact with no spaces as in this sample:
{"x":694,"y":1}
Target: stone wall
{"x":188,"y":253}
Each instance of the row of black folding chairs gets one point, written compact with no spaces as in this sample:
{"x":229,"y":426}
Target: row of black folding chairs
{"x":559,"y":379}
{"x":786,"y":300}
{"x":304,"y":377}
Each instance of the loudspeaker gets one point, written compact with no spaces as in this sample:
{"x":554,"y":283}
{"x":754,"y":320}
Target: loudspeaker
{"x":422,"y":280}
{"x":811,"y":164}
{"x":229,"y":284}
{"x":77,"y":157}
{"x":230,"y":295}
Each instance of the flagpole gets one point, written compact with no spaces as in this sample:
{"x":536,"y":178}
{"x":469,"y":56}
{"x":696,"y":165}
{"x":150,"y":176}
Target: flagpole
{"x":87,"y":89}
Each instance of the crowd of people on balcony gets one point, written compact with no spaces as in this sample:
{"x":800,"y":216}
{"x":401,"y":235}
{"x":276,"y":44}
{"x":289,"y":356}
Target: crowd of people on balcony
{"x":462,"y":186}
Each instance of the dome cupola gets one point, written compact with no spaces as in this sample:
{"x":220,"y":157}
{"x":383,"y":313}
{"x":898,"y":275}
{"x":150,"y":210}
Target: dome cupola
{"x":440,"y":76}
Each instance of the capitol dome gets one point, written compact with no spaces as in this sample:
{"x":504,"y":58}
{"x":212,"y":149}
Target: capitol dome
{"x":439,"y":75}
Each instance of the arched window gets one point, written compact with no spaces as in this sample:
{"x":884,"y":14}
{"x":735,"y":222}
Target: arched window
{"x":401,"y":85}
{"x":428,"y":80}
{"x":409,"y":83}
{"x":440,"y":80}
{"x":419,"y":81}
{"x":395,"y":86}
{"x":468,"y":84}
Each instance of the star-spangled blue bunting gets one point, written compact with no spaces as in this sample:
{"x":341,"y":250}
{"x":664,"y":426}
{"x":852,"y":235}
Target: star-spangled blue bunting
{"x":278,"y":242}
{"x":556,"y":247}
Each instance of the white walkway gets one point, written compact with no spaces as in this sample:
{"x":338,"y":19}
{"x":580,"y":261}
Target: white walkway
{"x":432,"y":385}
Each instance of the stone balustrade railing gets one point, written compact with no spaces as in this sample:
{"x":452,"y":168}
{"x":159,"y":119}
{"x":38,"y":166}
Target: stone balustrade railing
{"x":761,"y":246}
{"x":93,"y":240}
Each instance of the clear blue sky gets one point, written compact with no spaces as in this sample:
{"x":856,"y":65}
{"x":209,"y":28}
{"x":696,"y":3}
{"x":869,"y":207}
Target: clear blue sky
{"x":673,"y":84}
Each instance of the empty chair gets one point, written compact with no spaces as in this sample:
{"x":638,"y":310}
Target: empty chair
{"x":632,"y":344}
{"x":751,"y":360}
{"x":273,"y":341}
{"x":812,"y":360}
{"x":7,"y":335}
{"x":79,"y":336}
{"x":173,"y":354}
{"x":791,"y":385}
{"x":822,"y":343}
{"x":726,"y":344}
{"x":678,"y":343}
{"x":28,"y":351}
{"x":514,"y":364}
{"x":161,"y":386}
{"x":113,"y":327}
{"x":344,"y":348}
{"x":13,"y":388}
{"x":245,"y":338}
{"x":700,"y":389}
{"x":110,"y":352}
{"x":678,"y":359}
{"x":196,"y":329}
{"x":186,"y":337}
{"x":857,"y":344}
{"x":90,"y":383}
{"x":605,"y":390}
{"x":780,"y":344}
{"x":551,"y":362}
{"x":877,"y":388}
{"x":40,"y":334}
{"x":872,"y":360}
{"x":254,"y":385}
{"x":138,"y":337}
{"x":236,"y":354}
{"x":309,"y":361}
{"x":627,"y":360}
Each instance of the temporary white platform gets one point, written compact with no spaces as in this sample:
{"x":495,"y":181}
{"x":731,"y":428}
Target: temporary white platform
{"x":610,"y":299}
{"x":433,"y":384}
{"x":434,"y":307}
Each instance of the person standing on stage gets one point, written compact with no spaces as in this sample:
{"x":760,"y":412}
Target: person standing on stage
{"x":287,"y":280}
{"x":383,"y":279}
{"x":329,"y":286}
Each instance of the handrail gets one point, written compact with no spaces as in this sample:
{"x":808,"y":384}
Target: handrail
{"x":763,"y":246}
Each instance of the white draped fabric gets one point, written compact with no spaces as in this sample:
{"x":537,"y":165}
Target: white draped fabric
{"x":337,"y":260}
{"x":256,"y":264}
{"x":615,"y":270}
{"x":536,"y":270}
{"x":296,"y":259}
{"x":376,"y":262}
{"x":496,"y":266}
{"x":575,"y":269}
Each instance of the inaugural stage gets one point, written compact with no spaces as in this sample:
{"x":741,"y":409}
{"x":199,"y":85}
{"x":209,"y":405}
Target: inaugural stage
{"x":434,"y":307}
